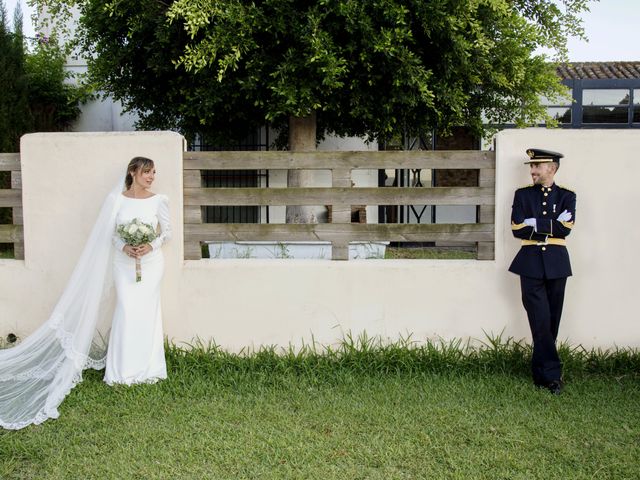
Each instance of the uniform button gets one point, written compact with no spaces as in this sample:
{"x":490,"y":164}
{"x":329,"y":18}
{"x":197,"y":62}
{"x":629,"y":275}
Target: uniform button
{"x":546,"y":194}
{"x":544,"y":203}
{"x":544,"y":248}
{"x":544,"y":213}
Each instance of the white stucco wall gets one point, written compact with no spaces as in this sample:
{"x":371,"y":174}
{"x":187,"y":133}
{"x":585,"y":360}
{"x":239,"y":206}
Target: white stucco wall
{"x":65,"y":178}
{"x":253,"y":302}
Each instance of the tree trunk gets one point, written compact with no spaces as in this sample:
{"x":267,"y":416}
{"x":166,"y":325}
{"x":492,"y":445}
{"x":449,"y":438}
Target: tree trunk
{"x":302,"y":138}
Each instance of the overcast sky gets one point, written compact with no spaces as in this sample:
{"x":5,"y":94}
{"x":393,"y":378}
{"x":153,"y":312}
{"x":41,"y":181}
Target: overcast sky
{"x":611,"y":26}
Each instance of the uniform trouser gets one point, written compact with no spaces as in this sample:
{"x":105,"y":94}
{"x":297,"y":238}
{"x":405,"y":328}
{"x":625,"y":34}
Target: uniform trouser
{"x":543,"y":299}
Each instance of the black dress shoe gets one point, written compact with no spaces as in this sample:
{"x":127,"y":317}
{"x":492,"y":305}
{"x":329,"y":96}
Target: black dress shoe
{"x":555,"y":387}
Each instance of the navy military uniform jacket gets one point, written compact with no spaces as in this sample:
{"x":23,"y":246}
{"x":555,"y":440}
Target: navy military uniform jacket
{"x":542,"y":254}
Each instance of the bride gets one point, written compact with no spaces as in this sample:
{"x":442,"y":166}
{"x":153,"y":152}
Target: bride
{"x":37,"y":374}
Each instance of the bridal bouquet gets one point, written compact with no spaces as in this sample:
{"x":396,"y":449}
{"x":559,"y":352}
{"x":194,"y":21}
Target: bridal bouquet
{"x":136,"y":233}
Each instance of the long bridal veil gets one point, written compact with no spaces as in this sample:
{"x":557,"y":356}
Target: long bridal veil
{"x":37,"y":374}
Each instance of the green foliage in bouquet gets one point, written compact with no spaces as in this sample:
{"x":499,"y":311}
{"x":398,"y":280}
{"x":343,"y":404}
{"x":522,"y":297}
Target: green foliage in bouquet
{"x":136,"y":233}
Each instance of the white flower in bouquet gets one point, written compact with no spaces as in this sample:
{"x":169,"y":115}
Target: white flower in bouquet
{"x":136,"y":233}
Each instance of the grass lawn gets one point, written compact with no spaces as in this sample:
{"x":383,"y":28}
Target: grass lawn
{"x":368,"y":413}
{"x":432,"y":253}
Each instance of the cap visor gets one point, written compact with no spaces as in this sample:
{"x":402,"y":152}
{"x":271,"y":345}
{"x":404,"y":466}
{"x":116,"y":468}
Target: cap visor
{"x":540,"y":160}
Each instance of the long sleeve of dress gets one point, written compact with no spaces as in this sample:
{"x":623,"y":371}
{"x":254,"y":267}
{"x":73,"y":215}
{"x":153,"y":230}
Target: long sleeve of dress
{"x":163,"y":222}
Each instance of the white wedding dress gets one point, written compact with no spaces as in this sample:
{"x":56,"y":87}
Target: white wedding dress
{"x":136,"y":343}
{"x":39,"y":372}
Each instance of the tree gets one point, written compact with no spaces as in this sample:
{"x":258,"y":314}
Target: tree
{"x":365,"y":67}
{"x":35,"y":95}
{"x":53,"y":101}
{"x":13,"y":101}
{"x":349,"y":67}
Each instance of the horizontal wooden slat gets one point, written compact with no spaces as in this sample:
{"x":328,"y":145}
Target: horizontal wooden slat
{"x":9,"y":162}
{"x":10,"y":198}
{"x":467,"y":232}
{"x":341,"y":195}
{"x":324,"y":160}
{"x":11,"y":233}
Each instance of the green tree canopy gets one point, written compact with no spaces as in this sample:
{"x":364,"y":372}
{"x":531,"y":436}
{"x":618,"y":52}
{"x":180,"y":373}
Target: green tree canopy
{"x":35,"y":95}
{"x":13,"y":100}
{"x":363,"y":67}
{"x":53,"y":100}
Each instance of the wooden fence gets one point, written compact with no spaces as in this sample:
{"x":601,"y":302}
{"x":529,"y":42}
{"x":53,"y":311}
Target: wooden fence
{"x":341,"y":196}
{"x":12,"y":198}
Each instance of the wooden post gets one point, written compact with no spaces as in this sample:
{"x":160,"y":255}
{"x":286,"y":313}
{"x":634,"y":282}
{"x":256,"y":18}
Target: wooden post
{"x":340,"y":213}
{"x":487,"y":178}
{"x":192,"y":214}
{"x":302,"y":138}
{"x":18,"y":247}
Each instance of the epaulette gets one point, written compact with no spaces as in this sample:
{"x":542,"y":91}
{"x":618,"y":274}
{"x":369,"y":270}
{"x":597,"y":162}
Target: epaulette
{"x":526,"y":186}
{"x":565,"y":188}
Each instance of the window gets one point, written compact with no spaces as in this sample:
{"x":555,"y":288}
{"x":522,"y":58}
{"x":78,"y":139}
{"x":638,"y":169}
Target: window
{"x":636,"y":106}
{"x":559,"y":111}
{"x":561,"y":114}
{"x":605,"y":105}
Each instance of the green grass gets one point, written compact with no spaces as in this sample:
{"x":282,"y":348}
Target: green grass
{"x":362,"y":410}
{"x":434,"y":253}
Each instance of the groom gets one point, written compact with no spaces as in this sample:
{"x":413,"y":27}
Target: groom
{"x":542,"y":216}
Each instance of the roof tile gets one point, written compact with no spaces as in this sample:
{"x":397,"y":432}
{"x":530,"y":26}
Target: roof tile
{"x":598,"y":70}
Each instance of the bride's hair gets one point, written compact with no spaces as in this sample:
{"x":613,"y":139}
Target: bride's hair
{"x":135,"y":164}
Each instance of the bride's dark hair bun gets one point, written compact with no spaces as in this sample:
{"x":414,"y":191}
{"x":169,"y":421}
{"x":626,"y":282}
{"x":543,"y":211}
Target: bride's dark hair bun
{"x":135,"y":164}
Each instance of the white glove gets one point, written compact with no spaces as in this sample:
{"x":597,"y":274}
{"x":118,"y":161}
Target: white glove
{"x":564,"y":216}
{"x":531,"y":222}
